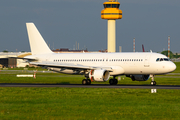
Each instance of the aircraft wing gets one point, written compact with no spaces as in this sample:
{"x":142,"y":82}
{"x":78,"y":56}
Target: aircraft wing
{"x":69,"y":66}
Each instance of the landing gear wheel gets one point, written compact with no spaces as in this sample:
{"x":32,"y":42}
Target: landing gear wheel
{"x":113,"y":81}
{"x":153,"y":82}
{"x":86,"y":81}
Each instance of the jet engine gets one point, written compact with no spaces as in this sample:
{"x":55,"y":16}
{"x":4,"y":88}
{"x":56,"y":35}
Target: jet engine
{"x":99,"y":75}
{"x":138,"y":77}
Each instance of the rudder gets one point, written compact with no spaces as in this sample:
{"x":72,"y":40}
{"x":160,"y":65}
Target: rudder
{"x":36,"y":41}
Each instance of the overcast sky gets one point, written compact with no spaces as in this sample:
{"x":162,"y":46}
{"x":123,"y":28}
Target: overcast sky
{"x":63,"y":22}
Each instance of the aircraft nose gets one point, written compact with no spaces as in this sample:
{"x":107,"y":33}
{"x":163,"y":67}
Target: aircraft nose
{"x":172,"y":67}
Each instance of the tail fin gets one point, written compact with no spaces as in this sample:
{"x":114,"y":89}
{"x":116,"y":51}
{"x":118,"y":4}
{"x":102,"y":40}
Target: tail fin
{"x":36,"y":41}
{"x":143,"y":48}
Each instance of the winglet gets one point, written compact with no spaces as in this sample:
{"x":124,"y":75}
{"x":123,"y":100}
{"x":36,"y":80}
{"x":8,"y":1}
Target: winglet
{"x":36,"y":41}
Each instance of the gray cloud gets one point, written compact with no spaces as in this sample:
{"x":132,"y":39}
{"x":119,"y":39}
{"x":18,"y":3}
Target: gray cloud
{"x":63,"y":22}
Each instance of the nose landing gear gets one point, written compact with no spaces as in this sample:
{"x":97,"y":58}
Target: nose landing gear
{"x":152,"y":80}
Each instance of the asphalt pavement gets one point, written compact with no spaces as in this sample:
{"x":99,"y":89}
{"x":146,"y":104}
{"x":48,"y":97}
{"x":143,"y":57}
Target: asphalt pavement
{"x":89,"y":86}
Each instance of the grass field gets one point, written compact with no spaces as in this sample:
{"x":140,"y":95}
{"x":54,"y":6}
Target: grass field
{"x":178,"y":67}
{"x":86,"y":103}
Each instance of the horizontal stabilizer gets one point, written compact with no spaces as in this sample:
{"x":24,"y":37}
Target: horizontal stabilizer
{"x":29,"y":59}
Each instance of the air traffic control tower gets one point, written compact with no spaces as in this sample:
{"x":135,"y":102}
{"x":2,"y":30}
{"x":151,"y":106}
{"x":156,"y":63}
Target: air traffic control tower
{"x":111,"y":12}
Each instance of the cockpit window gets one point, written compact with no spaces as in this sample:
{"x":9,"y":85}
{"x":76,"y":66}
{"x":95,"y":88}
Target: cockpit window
{"x":162,"y":59}
{"x":166,"y":59}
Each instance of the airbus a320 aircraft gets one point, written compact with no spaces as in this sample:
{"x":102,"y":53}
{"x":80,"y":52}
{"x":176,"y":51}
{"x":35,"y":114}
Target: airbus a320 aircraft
{"x":97,"y":66}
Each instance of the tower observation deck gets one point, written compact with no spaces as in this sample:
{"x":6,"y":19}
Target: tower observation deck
{"x":111,"y":12}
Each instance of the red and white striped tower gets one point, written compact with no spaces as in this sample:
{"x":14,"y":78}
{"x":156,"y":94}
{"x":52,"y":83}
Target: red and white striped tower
{"x":134,"y":45}
{"x":168,"y":46}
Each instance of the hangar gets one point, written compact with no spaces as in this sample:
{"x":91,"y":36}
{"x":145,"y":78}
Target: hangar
{"x":6,"y":60}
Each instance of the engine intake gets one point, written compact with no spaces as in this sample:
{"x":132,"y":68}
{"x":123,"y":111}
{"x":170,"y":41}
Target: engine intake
{"x":99,"y":75}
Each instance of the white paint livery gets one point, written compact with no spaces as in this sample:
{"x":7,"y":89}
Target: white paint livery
{"x":138,"y":66}
{"x":37,"y":43}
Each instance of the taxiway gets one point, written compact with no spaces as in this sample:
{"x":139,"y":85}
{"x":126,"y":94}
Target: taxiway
{"x":90,"y":86}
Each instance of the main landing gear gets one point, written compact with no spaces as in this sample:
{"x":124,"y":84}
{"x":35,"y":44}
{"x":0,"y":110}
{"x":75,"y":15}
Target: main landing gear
{"x":86,"y":81}
{"x":152,"y":80}
{"x":113,"y":81}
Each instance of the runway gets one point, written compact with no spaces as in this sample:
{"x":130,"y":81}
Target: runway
{"x":90,"y":86}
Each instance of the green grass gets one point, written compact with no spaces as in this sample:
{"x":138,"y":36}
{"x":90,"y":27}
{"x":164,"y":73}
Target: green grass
{"x":57,"y":78}
{"x":88,"y":103}
{"x":177,"y":67}
{"x":10,"y":77}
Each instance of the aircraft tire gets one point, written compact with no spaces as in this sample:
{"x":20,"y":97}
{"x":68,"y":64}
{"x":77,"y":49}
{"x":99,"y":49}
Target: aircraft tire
{"x":111,"y":81}
{"x":84,"y":82}
{"x":153,"y":82}
{"x":88,"y":81}
{"x":115,"y":81}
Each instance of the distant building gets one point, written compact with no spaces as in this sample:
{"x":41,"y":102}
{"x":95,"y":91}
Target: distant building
{"x":66,"y":50}
{"x":7,"y":61}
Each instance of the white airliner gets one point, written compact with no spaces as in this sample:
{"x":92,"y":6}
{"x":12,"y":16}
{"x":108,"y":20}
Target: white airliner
{"x":97,"y":66}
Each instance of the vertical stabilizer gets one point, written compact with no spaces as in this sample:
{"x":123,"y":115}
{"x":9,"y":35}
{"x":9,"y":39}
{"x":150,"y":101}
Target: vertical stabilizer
{"x":36,"y":41}
{"x":143,"y":48}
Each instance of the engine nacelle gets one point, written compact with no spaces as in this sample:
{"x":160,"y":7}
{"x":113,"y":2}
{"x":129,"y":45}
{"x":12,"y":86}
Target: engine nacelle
{"x":138,"y":77}
{"x":99,"y":75}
